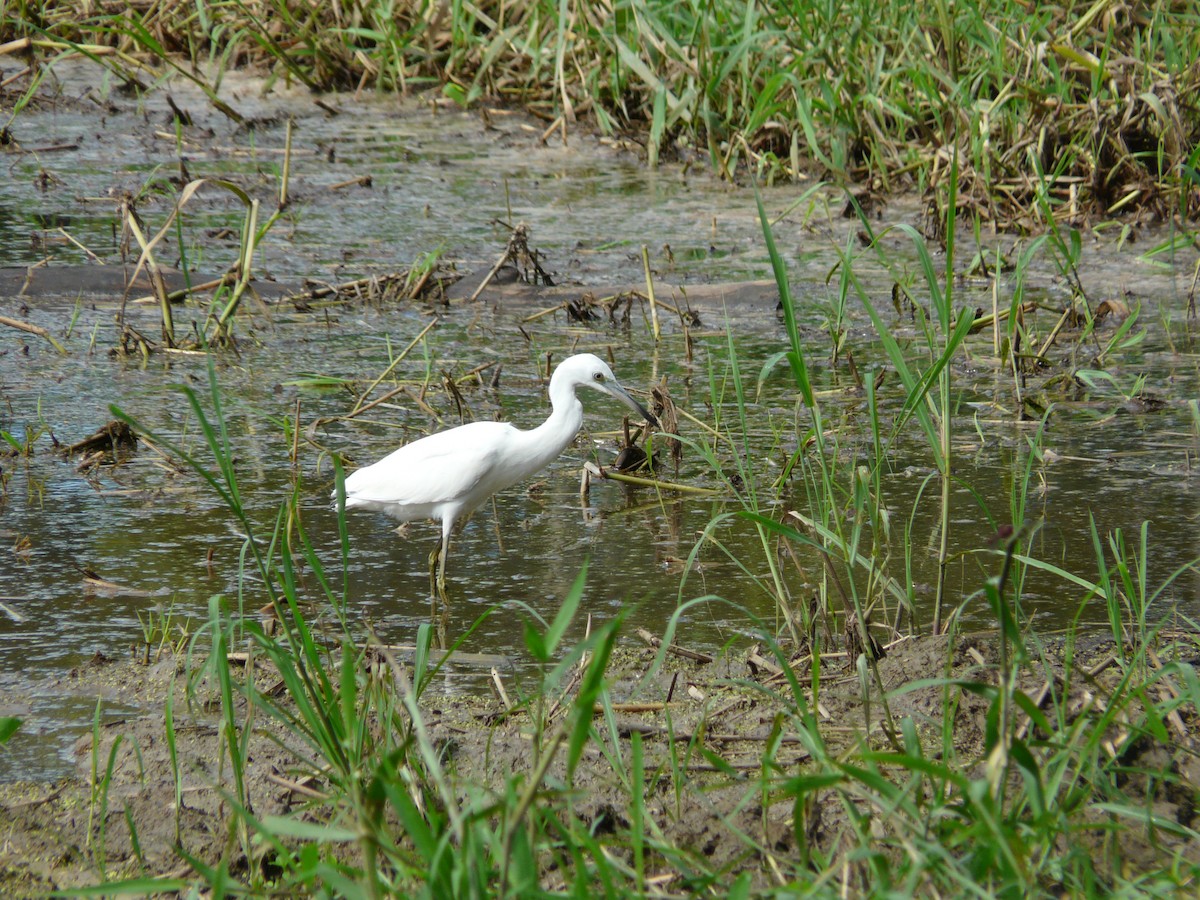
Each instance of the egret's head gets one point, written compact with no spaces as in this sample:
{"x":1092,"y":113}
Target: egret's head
{"x":587,"y":370}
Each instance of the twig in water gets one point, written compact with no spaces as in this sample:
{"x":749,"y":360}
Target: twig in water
{"x":672,"y":648}
{"x":499,"y":685}
{"x":395,"y":362}
{"x":32,"y":329}
{"x":598,"y":472}
{"x":650,"y":293}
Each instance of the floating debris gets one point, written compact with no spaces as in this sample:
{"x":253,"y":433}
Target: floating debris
{"x":116,"y":436}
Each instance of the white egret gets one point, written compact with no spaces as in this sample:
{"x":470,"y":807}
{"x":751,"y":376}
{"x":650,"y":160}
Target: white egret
{"x":447,"y":475}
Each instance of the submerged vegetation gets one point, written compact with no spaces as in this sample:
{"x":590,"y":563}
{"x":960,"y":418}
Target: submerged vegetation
{"x":1091,"y":103}
{"x":856,"y":739}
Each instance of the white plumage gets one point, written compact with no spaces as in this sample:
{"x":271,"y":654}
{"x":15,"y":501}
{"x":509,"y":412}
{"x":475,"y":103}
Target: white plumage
{"x":446,"y":476}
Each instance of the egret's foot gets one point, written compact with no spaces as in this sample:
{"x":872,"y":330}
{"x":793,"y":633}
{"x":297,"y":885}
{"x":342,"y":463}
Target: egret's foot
{"x":440,"y":618}
{"x":439,"y":600}
{"x":441,"y":595}
{"x":439,"y":614}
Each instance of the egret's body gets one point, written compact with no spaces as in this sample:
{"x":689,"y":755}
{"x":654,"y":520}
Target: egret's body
{"x":448,"y":475}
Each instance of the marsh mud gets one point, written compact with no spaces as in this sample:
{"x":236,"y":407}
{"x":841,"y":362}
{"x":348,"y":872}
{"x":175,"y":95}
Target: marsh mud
{"x":703,"y":729}
{"x":116,"y":560}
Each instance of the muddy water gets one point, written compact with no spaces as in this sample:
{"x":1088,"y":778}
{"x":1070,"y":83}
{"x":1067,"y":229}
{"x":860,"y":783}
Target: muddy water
{"x":440,"y":180}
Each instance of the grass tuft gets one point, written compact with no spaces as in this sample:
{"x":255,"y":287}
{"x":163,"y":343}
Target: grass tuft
{"x":1054,"y":114}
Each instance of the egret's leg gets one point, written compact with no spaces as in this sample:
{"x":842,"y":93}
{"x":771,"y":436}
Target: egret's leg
{"x":441,"y":576}
{"x":441,"y":620}
{"x":433,"y":568}
{"x":437,"y":565}
{"x":436,"y":589}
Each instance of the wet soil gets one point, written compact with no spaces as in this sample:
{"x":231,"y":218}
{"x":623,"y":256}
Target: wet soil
{"x":714,"y":719}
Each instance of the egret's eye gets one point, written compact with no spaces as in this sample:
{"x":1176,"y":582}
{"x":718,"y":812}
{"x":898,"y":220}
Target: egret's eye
{"x":598,"y":376}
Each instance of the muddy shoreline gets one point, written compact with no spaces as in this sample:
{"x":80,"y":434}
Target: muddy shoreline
{"x":68,"y":834}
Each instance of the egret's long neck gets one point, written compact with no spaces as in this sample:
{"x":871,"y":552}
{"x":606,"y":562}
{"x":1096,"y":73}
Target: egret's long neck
{"x":544,"y":443}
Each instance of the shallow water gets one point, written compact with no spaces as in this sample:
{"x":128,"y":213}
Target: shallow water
{"x":439,"y":181}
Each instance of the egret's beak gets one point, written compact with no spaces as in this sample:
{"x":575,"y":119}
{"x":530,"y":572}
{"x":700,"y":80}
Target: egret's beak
{"x":623,"y":395}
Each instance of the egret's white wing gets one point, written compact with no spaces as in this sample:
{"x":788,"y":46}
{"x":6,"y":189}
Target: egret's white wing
{"x":442,"y":468}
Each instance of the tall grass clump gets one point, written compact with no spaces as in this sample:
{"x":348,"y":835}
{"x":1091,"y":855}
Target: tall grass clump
{"x":345,"y":718}
{"x":1047,"y":783}
{"x":846,"y":517}
{"x":1096,"y":103}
